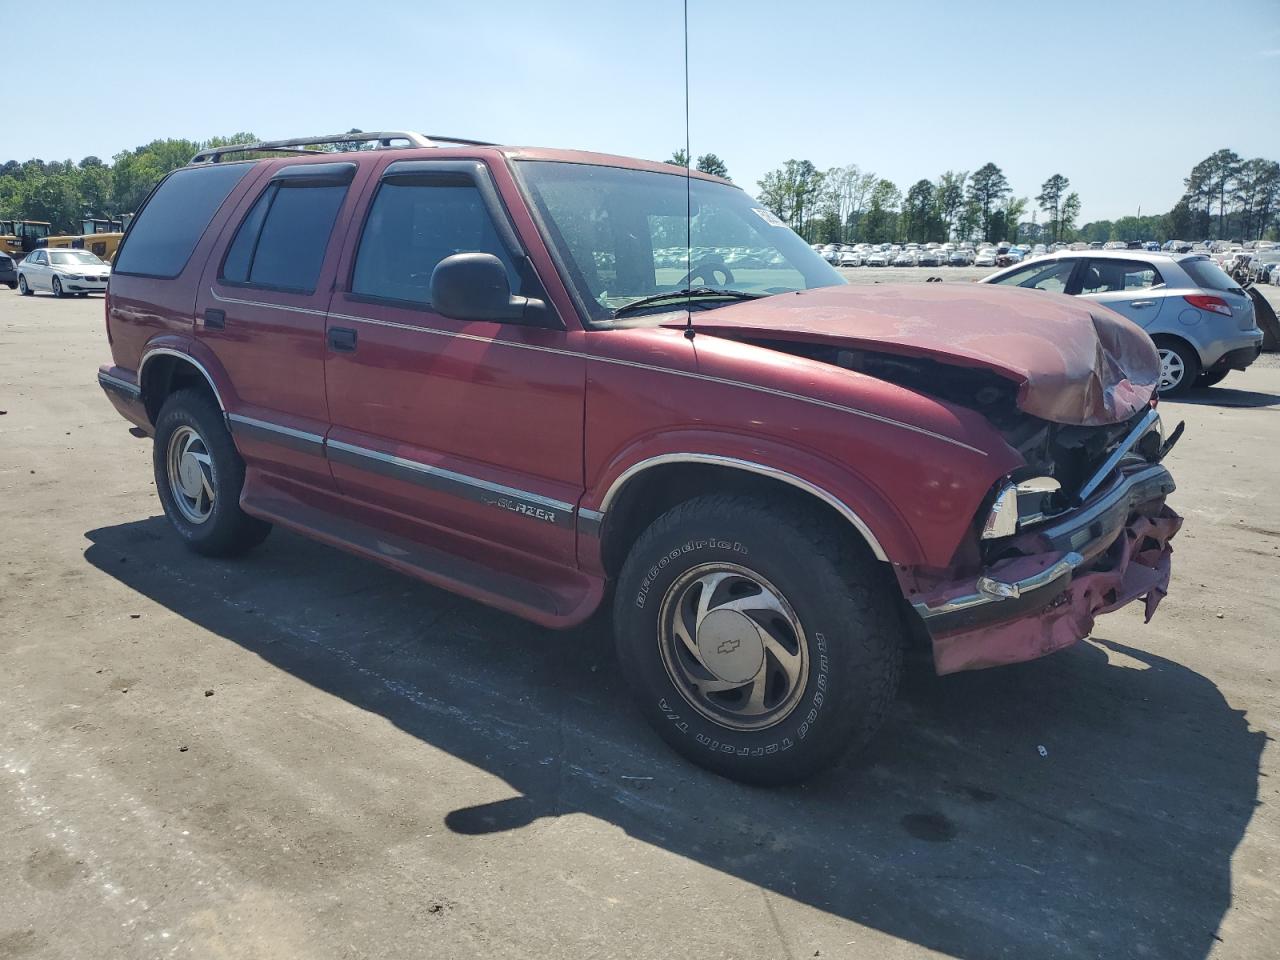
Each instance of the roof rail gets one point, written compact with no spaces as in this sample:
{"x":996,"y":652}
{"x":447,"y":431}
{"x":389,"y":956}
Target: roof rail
{"x":386,"y":139}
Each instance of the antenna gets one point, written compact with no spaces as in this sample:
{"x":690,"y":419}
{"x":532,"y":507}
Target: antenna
{"x":688,"y":187}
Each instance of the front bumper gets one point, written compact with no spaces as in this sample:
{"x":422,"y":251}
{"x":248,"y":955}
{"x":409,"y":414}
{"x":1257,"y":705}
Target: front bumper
{"x":87,"y":285}
{"x":1109,"y":552}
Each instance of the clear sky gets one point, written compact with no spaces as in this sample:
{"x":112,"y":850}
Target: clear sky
{"x":1121,"y":97}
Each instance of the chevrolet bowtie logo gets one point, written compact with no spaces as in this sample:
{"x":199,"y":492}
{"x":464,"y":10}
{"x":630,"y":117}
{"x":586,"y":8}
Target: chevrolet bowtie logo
{"x":728,"y":646}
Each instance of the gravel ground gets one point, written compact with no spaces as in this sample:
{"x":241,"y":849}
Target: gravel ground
{"x":302,"y":754}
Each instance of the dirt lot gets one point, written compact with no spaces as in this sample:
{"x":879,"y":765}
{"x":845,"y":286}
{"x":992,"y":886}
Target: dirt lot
{"x":304,"y":755}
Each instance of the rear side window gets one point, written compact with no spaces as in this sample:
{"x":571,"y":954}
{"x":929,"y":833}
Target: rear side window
{"x":1117,"y":276}
{"x":412,"y":227}
{"x":282,"y":241}
{"x":1206,"y":274}
{"x":169,"y":226}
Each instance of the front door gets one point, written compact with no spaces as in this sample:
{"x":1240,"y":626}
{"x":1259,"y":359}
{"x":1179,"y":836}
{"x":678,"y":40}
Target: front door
{"x":260,"y":311}
{"x":472,"y":427}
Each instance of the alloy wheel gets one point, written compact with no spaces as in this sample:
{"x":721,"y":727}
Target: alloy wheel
{"x":1172,"y":369}
{"x":190,"y":471}
{"x":733,"y":646}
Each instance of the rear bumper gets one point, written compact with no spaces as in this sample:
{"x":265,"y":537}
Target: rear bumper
{"x":125,"y":395}
{"x":1237,"y":359}
{"x":1104,"y":555}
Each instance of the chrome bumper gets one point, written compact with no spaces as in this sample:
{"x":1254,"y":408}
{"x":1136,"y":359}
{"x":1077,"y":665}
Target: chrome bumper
{"x":1075,"y":540}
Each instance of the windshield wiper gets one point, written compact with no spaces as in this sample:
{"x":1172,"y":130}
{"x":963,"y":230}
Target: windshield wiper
{"x":697,"y":293}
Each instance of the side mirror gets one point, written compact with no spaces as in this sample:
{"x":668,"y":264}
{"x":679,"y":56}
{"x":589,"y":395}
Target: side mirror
{"x":474,"y":286}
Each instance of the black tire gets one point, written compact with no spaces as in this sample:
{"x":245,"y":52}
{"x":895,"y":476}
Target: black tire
{"x":56,"y":287}
{"x":834,"y":588}
{"x":23,"y":287}
{"x":227,"y":531}
{"x":1211,"y":379}
{"x":1189,"y":360}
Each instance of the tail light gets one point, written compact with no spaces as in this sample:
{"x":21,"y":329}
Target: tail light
{"x":1203,"y":301}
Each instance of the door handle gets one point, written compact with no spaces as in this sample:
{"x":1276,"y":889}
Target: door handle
{"x":342,"y":339}
{"x":1142,"y":303}
{"x":215,"y":319}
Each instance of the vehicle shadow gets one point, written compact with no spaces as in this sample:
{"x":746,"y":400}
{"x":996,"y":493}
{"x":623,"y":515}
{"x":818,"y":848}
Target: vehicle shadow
{"x":1225,"y":397}
{"x":956,"y":831}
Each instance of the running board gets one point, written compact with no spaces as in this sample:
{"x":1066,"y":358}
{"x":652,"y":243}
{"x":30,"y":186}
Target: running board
{"x":576,"y":599}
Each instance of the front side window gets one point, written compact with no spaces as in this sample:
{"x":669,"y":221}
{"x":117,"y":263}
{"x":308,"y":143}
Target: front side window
{"x":172,"y":221}
{"x":1052,"y":276}
{"x":628,"y":234}
{"x":282,"y":241}
{"x":1117,"y":276}
{"x":412,"y":227}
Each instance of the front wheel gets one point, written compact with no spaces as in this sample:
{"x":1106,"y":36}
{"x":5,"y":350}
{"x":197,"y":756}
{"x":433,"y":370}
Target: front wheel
{"x":24,"y":288}
{"x":757,"y":641}
{"x":57,"y":287}
{"x":199,"y":475}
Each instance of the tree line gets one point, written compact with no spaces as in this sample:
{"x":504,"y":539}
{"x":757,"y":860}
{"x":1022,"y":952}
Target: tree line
{"x":1225,"y":198}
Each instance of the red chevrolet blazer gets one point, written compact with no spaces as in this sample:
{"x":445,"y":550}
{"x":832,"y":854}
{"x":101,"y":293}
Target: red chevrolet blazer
{"x":541,"y":378}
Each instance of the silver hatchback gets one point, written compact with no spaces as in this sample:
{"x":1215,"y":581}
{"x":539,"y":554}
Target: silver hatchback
{"x":1202,"y":322}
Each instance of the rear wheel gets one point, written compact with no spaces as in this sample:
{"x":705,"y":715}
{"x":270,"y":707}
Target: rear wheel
{"x":758,"y":643}
{"x":23,"y":287}
{"x":199,"y":475}
{"x":1179,"y":366}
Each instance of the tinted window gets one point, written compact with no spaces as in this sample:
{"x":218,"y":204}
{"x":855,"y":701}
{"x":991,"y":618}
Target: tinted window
{"x":411,"y":228}
{"x":1117,"y":276}
{"x":170,"y":224}
{"x":282,"y":241}
{"x":1052,"y":276}
{"x":1207,"y":274}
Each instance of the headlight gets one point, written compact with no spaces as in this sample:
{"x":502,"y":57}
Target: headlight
{"x":72,"y":276}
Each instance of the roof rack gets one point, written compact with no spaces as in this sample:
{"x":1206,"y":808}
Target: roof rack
{"x":386,"y":139}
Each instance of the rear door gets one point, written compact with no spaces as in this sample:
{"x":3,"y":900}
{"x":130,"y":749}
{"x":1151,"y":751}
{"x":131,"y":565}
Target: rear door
{"x":1134,"y":288}
{"x":261,"y":311}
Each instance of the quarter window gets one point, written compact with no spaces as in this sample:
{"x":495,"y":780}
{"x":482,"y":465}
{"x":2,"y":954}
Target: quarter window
{"x":282,"y":241}
{"x":170,"y":224}
{"x":1117,"y":276}
{"x":411,"y":228}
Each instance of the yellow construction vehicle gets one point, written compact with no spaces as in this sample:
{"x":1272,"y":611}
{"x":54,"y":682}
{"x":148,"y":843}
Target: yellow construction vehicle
{"x":20,"y":237}
{"x":99,"y":236}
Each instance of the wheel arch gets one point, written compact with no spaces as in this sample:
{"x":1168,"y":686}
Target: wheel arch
{"x":163,"y":370}
{"x":649,"y":487}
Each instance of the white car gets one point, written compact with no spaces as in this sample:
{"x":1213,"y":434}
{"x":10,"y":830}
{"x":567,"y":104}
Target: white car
{"x":62,"y":272}
{"x":849,"y":258}
{"x":985,"y":258}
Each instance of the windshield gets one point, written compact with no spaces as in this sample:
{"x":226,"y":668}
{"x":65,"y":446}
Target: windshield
{"x":72,"y":258}
{"x":622,"y":236}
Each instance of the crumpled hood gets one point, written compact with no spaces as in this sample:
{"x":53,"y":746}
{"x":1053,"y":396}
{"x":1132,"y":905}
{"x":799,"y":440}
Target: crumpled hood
{"x":1074,"y":361}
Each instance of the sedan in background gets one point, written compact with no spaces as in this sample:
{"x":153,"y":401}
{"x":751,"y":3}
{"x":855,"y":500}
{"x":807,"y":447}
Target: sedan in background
{"x":986,"y":257}
{"x":1202,"y":322}
{"x":62,"y":272}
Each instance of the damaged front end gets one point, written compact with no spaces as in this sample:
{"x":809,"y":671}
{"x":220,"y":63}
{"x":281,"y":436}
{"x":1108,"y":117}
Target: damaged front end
{"x":1052,"y":553}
